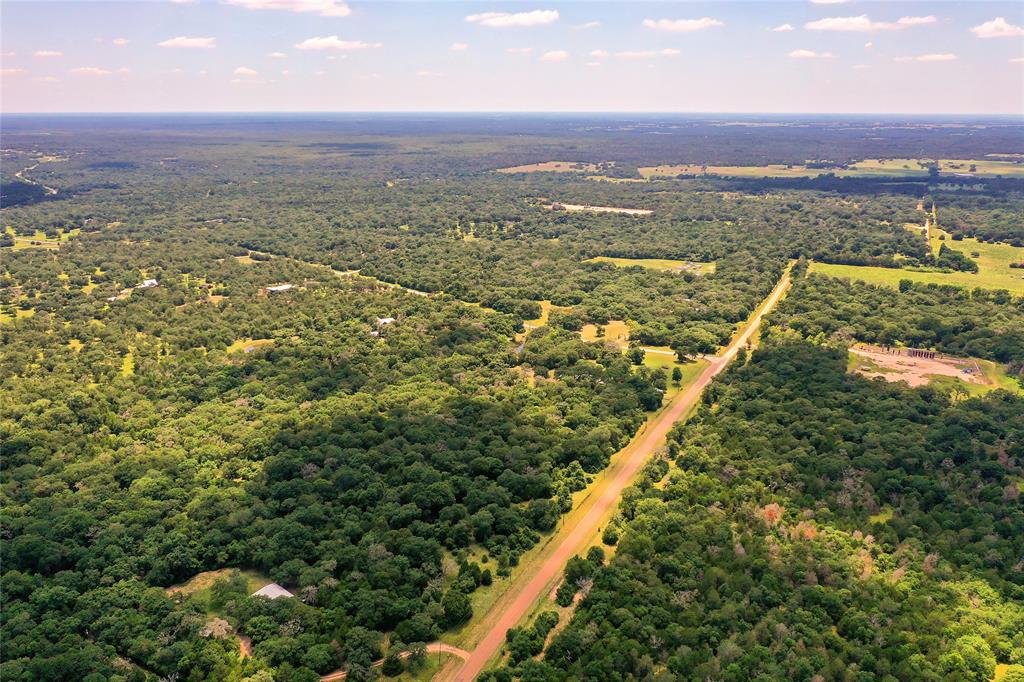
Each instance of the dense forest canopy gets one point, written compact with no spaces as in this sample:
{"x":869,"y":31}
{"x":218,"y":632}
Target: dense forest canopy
{"x":810,"y":524}
{"x":209,"y":363}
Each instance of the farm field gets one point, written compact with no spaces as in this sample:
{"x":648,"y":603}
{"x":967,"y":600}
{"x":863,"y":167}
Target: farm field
{"x":572,"y":208}
{"x":661,"y":264}
{"x":554,"y":167}
{"x":993,"y":262}
{"x":865,"y":168}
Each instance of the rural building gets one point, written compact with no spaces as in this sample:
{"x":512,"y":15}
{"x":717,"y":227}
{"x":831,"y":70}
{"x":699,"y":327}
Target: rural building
{"x":381,"y":321}
{"x":280,"y":287}
{"x":272,"y":591}
{"x":147,"y":284}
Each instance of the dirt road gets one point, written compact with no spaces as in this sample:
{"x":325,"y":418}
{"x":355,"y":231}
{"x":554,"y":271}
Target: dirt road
{"x":579,"y":531}
{"x":433,"y":648}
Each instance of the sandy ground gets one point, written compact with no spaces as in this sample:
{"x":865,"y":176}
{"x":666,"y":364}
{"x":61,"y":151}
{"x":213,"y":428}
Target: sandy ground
{"x":599,"y":209}
{"x":578,"y":533}
{"x":433,"y":648}
{"x":553,"y":167}
{"x":917,"y":371}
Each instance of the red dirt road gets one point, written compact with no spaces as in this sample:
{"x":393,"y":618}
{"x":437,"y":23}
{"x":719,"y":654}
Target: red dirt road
{"x":513,"y":605}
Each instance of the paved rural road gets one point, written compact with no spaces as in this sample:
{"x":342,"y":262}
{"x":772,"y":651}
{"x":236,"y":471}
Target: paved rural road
{"x":510,"y":608}
{"x":433,"y":648}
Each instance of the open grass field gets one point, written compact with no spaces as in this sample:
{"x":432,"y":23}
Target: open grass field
{"x":662,"y":264}
{"x":554,"y":167}
{"x":18,"y":313}
{"x":39,"y":240}
{"x":559,"y":206}
{"x":865,"y":168}
{"x":616,"y":332}
{"x":993,"y":263}
{"x":248,"y":345}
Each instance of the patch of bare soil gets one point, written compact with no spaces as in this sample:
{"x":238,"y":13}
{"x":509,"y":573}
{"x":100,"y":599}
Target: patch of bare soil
{"x":895,"y":364}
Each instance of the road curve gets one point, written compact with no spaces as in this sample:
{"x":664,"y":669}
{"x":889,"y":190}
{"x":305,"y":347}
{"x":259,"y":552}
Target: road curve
{"x":432,"y":648}
{"x":512,"y":606}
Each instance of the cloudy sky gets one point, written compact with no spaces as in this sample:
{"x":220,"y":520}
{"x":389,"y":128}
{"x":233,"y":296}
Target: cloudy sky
{"x":331,"y":55}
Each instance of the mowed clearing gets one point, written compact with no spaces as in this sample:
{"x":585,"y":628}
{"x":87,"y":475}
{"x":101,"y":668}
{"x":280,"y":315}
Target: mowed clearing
{"x":615,"y":333}
{"x":994,"y":271}
{"x":559,"y":206}
{"x":865,"y":168}
{"x":661,"y":264}
{"x":555,"y":167}
{"x":895,"y":364}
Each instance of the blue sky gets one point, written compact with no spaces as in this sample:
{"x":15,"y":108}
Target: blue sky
{"x":327,"y":55}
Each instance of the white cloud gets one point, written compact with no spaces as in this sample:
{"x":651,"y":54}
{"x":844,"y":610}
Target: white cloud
{"x":189,"y":43}
{"x":598,"y":53}
{"x":916,"y":21}
{"x":592,"y":64}
{"x":519,"y":50}
{"x":682,"y":25}
{"x":277,"y":55}
{"x":124,"y":70}
{"x":863,"y":23}
{"x":47,"y":53}
{"x":858,"y":67}
{"x":809,"y":54}
{"x":459,"y":47}
{"x":588,"y":25}
{"x":1017,"y":60}
{"x":90,"y":71}
{"x":554,"y":56}
{"x":245,"y":71}
{"x":120,"y":41}
{"x":285,"y":72}
{"x":538,"y":17}
{"x":325,"y":8}
{"x":998,"y":28}
{"x":781,"y":28}
{"x":868,"y":45}
{"x":321,"y":73}
{"x":185,"y":2}
{"x":946,"y":57}
{"x":47,"y":79}
{"x":428,"y":74}
{"x":7,"y":55}
{"x":11,"y":72}
{"x":335,"y":43}
{"x":827,"y":2}
{"x":642,"y":54}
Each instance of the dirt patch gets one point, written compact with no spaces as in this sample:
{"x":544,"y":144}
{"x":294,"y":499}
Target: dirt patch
{"x":201,"y":581}
{"x":894,"y":364}
{"x":558,"y":206}
{"x":555,"y":167}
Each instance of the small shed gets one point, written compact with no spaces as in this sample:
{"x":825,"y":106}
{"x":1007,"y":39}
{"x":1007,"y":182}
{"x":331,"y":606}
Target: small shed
{"x":272,"y":591}
{"x":147,"y":284}
{"x":381,"y":321}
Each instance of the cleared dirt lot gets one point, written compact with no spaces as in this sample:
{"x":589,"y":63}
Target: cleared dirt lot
{"x":896,"y":365}
{"x":554,"y":167}
{"x":558,"y":206}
